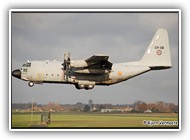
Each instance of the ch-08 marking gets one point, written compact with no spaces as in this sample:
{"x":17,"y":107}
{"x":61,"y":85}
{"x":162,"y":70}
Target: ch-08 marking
{"x":159,"y":47}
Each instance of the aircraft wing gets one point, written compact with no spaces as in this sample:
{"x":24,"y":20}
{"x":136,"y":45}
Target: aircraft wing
{"x":99,"y":61}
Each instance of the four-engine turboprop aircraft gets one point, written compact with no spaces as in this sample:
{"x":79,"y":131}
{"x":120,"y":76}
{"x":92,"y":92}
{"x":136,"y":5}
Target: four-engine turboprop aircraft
{"x":97,"y":70}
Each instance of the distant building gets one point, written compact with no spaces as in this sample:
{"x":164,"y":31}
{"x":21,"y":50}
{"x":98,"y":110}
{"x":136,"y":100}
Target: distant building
{"x":128,"y":109}
{"x":91,"y":104}
{"x":116,"y":110}
{"x":94,"y":109}
{"x":107,"y":110}
{"x":148,"y":111}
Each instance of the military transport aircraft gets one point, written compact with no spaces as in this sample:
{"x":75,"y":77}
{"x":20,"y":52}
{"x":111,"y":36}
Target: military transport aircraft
{"x":97,"y":70}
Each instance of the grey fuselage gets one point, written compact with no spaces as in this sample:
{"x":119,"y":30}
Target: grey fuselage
{"x":52,"y":72}
{"x":97,"y":70}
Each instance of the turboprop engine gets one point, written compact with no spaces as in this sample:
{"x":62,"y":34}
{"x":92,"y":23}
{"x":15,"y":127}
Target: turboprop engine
{"x":78,"y":63}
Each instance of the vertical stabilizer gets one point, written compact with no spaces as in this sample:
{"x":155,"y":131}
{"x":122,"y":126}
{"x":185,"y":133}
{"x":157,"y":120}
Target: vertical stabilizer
{"x":157,"y":55}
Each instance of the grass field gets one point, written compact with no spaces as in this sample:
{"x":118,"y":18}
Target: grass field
{"x":103,"y":120}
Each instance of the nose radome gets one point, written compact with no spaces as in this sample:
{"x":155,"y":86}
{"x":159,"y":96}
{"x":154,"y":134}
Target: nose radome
{"x":17,"y":73}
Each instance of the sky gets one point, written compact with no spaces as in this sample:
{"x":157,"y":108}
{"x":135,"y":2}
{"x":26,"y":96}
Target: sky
{"x":122,"y":36}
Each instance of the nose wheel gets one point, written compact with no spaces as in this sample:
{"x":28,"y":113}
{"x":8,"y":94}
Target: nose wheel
{"x":30,"y":84}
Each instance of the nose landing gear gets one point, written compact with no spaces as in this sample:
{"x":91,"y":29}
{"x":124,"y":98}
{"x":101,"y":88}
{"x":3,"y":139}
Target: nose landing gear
{"x":30,"y":84}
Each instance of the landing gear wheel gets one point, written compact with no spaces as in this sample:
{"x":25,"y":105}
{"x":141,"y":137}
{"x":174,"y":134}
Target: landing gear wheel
{"x":79,"y":86}
{"x":30,"y":84}
{"x":89,"y":87}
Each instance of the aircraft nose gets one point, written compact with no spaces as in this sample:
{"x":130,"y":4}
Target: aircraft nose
{"x":17,"y":73}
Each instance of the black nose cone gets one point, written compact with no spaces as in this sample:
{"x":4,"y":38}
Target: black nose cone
{"x":17,"y":73}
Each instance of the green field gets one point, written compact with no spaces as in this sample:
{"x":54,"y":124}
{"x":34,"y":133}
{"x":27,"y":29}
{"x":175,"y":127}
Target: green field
{"x":87,"y":120}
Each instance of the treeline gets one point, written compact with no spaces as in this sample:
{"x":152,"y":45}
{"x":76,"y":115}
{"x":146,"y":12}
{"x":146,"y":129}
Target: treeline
{"x":140,"y":106}
{"x":137,"y":107}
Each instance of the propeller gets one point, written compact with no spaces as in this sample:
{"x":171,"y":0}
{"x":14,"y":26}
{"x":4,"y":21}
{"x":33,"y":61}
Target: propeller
{"x":67,"y":60}
{"x":66,"y":65}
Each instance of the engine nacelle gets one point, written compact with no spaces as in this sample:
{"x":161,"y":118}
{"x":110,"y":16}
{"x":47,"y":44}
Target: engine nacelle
{"x":78,"y":63}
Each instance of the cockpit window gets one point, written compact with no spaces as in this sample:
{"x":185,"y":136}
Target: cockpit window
{"x":26,"y":65}
{"x":24,"y":70}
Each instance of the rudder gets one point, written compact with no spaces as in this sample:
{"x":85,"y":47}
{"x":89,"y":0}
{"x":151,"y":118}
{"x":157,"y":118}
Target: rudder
{"x":157,"y":55}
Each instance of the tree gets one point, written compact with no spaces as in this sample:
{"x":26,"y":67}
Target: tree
{"x":153,"y":107}
{"x":137,"y":103}
{"x":100,"y":107}
{"x":141,"y":107}
{"x":86,"y":108}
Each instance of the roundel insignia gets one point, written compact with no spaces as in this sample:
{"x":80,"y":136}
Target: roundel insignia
{"x":158,"y":52}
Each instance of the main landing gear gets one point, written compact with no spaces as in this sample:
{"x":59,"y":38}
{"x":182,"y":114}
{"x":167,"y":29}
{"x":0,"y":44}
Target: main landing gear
{"x":87,"y":87}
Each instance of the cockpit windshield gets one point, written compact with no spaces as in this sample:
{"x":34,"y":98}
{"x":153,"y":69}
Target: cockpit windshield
{"x":26,"y":65}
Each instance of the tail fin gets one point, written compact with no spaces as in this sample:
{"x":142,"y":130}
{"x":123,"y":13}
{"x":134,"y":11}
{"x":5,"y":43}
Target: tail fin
{"x":157,"y":55}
